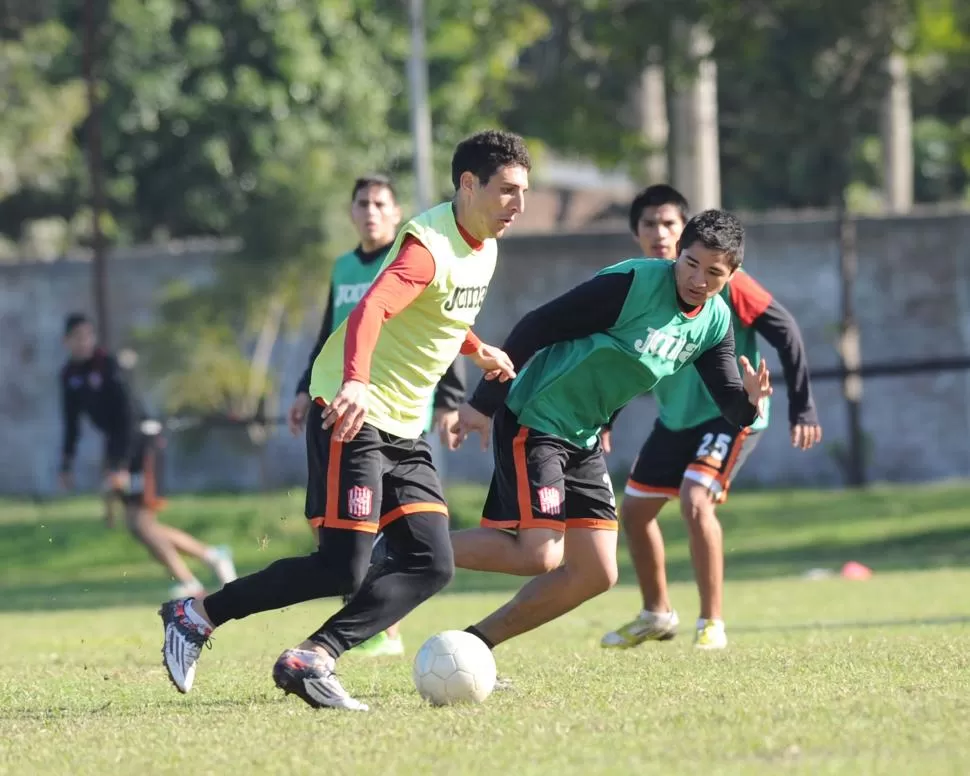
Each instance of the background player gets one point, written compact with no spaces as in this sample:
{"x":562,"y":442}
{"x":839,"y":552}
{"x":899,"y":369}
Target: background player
{"x":369,"y":466}
{"x":92,"y":384}
{"x":692,"y":451}
{"x":376,"y":216}
{"x":639,"y":321}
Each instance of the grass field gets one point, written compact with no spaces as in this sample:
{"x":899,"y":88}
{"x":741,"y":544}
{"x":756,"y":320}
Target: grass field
{"x":828,"y":676}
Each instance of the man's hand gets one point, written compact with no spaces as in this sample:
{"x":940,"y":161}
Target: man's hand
{"x":296,"y":417}
{"x":757,"y":384}
{"x":494,"y":362}
{"x":349,"y":407}
{"x":444,"y":421}
{"x":471,"y":420}
{"x":606,"y":441}
{"x":65,"y":481}
{"x":805,"y":435}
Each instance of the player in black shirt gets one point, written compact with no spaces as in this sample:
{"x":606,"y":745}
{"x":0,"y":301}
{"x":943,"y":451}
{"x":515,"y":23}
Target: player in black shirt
{"x":93,"y":384}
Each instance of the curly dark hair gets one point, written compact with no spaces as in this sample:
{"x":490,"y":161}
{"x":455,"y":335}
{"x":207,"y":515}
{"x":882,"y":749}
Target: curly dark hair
{"x":484,"y":153}
{"x":716,"y":230}
{"x":655,"y":196}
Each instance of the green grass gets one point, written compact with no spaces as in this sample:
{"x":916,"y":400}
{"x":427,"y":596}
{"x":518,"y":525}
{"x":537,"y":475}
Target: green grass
{"x":827,"y":676}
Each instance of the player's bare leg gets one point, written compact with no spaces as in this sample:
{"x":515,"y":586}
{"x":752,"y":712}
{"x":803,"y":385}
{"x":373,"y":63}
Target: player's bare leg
{"x":143,"y":526}
{"x":589,"y":570}
{"x":657,"y":621}
{"x":646,"y":543}
{"x":183,"y":542}
{"x":697,"y":507}
{"x":526,"y":553}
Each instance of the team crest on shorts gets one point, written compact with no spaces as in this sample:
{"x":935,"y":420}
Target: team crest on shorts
{"x":550,"y":502}
{"x":360,"y":501}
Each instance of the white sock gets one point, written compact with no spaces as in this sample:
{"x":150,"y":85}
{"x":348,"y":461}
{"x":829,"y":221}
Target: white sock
{"x":195,"y":618}
{"x":646,"y":615}
{"x":212,"y":555}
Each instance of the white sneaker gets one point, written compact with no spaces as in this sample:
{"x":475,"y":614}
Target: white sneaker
{"x":710,"y":635}
{"x":183,"y":644}
{"x":193,"y":589}
{"x":220,"y":561}
{"x":648,"y":626}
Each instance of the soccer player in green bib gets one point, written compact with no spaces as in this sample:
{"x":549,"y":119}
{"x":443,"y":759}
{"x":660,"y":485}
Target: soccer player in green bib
{"x":376,"y":217}
{"x":693,"y":452}
{"x":592,"y":350}
{"x":369,"y":467}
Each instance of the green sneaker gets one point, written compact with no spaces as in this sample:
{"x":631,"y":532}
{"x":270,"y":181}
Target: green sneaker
{"x":381,"y":645}
{"x":710,"y":635}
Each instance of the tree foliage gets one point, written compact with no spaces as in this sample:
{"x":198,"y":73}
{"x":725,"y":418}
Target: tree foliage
{"x":250,"y":119}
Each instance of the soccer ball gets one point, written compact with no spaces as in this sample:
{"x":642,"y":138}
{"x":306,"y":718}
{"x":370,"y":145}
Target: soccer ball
{"x":454,"y":667}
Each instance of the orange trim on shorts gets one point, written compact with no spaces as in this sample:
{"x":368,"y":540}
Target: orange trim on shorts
{"x":150,"y":498}
{"x":363,"y":526}
{"x":704,"y":468}
{"x":725,"y":478}
{"x":331,"y":511}
{"x":411,"y":509}
{"x":539,"y":522}
{"x":523,"y":495}
{"x":652,"y":490}
{"x":596,"y":523}
{"x":501,"y":525}
{"x":722,"y":476}
{"x":517,"y":525}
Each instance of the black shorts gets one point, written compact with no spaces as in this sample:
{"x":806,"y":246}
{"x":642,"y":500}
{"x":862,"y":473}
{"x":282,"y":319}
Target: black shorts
{"x":542,"y":481}
{"x":710,"y":454}
{"x":368,"y":482}
{"x":145,"y":470}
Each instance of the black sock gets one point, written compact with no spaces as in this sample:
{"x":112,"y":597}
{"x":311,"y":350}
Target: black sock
{"x":476,"y":632}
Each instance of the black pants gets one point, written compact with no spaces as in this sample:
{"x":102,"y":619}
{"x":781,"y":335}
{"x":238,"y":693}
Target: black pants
{"x":418,"y":563}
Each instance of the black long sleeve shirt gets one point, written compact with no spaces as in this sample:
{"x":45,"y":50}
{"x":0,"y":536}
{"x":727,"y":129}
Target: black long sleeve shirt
{"x":97,"y":388}
{"x":595,"y":306}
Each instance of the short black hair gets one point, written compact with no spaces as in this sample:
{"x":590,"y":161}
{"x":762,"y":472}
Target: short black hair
{"x":484,"y":153}
{"x":716,"y":230}
{"x":376,"y":179}
{"x":74,"y":320}
{"x":655,"y":196}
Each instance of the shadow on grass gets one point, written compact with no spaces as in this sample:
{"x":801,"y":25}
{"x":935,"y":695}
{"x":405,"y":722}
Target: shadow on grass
{"x":61,"y":561}
{"x":943,"y":547}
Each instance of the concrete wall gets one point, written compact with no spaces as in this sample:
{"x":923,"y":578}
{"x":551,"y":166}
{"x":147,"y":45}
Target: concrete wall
{"x":913,"y":302}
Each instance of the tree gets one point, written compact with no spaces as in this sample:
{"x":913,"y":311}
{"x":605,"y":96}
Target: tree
{"x":37,"y":153}
{"x":270,"y":142}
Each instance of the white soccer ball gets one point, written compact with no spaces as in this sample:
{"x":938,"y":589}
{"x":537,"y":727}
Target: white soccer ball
{"x":454,"y":667}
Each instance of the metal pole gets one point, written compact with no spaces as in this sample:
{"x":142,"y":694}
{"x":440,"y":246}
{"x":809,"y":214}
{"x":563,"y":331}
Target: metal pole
{"x":99,"y":271}
{"x":420,"y":110}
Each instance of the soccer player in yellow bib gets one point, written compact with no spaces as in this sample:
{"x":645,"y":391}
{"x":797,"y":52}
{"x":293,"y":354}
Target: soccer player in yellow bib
{"x":376,"y":216}
{"x":369,"y":468}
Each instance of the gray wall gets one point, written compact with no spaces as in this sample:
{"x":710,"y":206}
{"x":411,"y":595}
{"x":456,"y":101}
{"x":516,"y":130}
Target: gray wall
{"x":913,"y":302}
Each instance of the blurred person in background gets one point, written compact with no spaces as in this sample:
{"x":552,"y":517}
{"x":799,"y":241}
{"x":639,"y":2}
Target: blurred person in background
{"x":376,"y":216}
{"x":692,"y":453}
{"x":93,"y":384}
